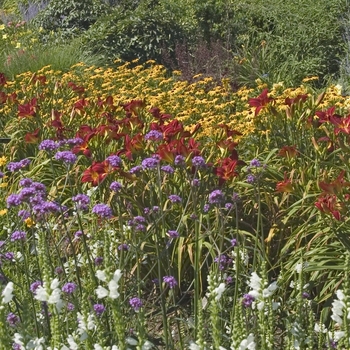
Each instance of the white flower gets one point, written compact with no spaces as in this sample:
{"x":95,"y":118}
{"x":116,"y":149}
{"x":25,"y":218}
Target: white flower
{"x":319,"y":328}
{"x":54,"y":284}
{"x":17,"y":338}
{"x":41,"y":294}
{"x":147,"y":345}
{"x":131,"y":341}
{"x":248,"y":343}
{"x":194,"y":346}
{"x":36,"y":344}
{"x":117,"y":275}
{"x":115,"y":347}
{"x":72,"y":344}
{"x":219,"y":290}
{"x":113,"y":289}
{"x":298,"y":267}
{"x":255,"y":282}
{"x":98,"y":347}
{"x":91,"y":322}
{"x":340,"y":294}
{"x":101,"y":275}
{"x":267,"y":292}
{"x":101,"y":292}
{"x":337,"y":310}
{"x":7,"y":293}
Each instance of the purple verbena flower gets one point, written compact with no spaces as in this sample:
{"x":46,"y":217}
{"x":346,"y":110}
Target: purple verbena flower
{"x":123,"y":246}
{"x":251,"y":178}
{"x":18,"y":236}
{"x":34,"y":286}
{"x":70,"y":307}
{"x":255,"y":163}
{"x":67,"y":157}
{"x":174,"y":198}
{"x":13,"y":200}
{"x":206,"y":208}
{"x":69,"y":287}
{"x":154,"y":135}
{"x":216,"y":197}
{"x":12,"y":319}
{"x":167,"y":169}
{"x":15,"y":166}
{"x":75,"y":141}
{"x":115,"y":186}
{"x":58,"y":270}
{"x":198,"y":161}
{"x":135,"y":303}
{"x":136,"y":169}
{"x":179,"y":160}
{"x":233,"y":242}
{"x":98,"y":260}
{"x":150,"y":163}
{"x":26,"y":182}
{"x":78,"y":234}
{"x":196,"y":182}
{"x":48,"y":145}
{"x":82,"y":201}
{"x":139,"y":219}
{"x":99,"y":309}
{"x":173,"y":234}
{"x":228,"y":206}
{"x":170,"y":281}
{"x":102,"y":210}
{"x":114,"y":160}
{"x":247,"y":300}
{"x":24,"y":214}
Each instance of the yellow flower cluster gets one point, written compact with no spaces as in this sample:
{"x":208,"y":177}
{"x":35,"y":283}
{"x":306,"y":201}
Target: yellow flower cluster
{"x":202,"y":101}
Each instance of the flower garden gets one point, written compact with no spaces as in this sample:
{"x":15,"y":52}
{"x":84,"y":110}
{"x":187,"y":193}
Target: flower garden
{"x":142,"y":210}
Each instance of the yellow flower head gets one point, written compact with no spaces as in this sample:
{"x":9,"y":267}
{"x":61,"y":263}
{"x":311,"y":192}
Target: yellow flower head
{"x":3,"y":160}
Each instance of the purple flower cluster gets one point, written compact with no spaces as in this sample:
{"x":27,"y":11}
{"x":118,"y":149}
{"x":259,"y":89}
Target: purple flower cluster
{"x":115,"y":186}
{"x":99,"y":309}
{"x":15,"y":166}
{"x":255,"y":163}
{"x":98,"y":260}
{"x":82,"y":201}
{"x":114,"y":161}
{"x":48,"y":145}
{"x":173,"y":234}
{"x":216,"y":197}
{"x":174,"y":198}
{"x":150,"y":163}
{"x":74,"y":142}
{"x":251,"y":178}
{"x":179,"y":160}
{"x":135,"y":303}
{"x":198,"y":162}
{"x":170,"y":281}
{"x":247,"y":300}
{"x":168,"y":169}
{"x":223,"y":261}
{"x":136,"y":169}
{"x":69,"y":287}
{"x":123,"y":246}
{"x":18,"y":236}
{"x":12,"y":319}
{"x":66,"y":157}
{"x":102,"y":210}
{"x":154,"y":135}
{"x":35,"y":285}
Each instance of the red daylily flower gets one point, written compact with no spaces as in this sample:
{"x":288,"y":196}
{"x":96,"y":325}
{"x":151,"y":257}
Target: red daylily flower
{"x":226,"y":169}
{"x":133,"y":107}
{"x":328,"y":115}
{"x":329,"y":204}
{"x":28,"y":109}
{"x":285,"y":185}
{"x":290,"y":101}
{"x":78,"y":89}
{"x":336,"y":186}
{"x":342,"y":124}
{"x":96,"y":173}
{"x":229,"y":132}
{"x":288,"y":152}
{"x":155,"y":111}
{"x":32,"y":137}
{"x":132,"y":145}
{"x":261,"y":101}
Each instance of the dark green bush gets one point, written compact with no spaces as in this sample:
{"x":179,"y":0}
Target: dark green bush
{"x":135,"y":34}
{"x":70,"y":16}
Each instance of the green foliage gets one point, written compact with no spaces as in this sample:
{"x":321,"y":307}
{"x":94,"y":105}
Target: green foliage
{"x":141,"y":34}
{"x":300,"y":39}
{"x":69,"y":16}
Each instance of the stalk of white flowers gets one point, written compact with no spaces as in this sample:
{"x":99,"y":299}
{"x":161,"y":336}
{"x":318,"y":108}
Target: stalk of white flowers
{"x":113,"y":293}
{"x":7,"y":293}
{"x":216,"y":290}
{"x":50,"y":295}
